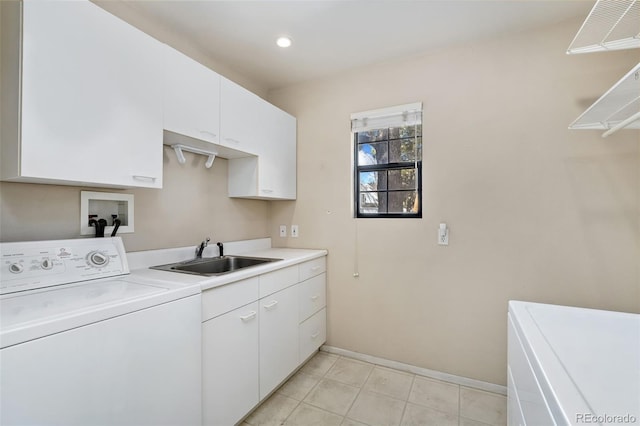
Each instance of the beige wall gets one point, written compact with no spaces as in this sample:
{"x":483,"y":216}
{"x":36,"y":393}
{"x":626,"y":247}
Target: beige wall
{"x":193,"y":204}
{"x":536,"y":212}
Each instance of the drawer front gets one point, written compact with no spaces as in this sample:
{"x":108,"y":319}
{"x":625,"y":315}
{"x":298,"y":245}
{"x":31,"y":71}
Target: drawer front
{"x":312,"y":268}
{"x":313,"y":333}
{"x":524,"y":384}
{"x":220,"y":300}
{"x":312,"y":296}
{"x":514,"y":412}
{"x":278,"y":280}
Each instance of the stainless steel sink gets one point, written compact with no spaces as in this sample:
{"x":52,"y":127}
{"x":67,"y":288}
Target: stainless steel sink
{"x":214,"y":265}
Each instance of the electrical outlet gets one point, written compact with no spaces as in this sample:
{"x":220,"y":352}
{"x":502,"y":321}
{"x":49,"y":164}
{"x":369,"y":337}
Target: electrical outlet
{"x":294,"y":231}
{"x":283,"y":231}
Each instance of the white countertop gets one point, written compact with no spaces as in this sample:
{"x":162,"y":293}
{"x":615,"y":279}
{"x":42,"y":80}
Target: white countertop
{"x":140,"y":262}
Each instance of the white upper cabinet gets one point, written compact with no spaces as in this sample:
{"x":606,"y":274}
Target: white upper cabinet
{"x":242,"y":121}
{"x":278,"y":156}
{"x":86,"y":99}
{"x":191,"y":97}
{"x":272,"y":175}
{"x":83,"y":100}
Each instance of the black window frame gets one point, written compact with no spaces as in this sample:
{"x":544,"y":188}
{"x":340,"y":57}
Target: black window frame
{"x":405,"y":165}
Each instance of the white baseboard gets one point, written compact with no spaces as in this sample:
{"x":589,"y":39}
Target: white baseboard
{"x":452,"y":378}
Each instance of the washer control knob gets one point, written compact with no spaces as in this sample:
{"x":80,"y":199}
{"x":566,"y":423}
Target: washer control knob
{"x":16,"y":268}
{"x":46,"y":263}
{"x":97,"y":259}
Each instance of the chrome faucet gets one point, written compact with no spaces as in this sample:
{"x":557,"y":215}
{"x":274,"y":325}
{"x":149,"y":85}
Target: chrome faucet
{"x":201,"y":247}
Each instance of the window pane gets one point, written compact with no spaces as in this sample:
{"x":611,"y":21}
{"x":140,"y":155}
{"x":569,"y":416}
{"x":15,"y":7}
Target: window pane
{"x":402,"y":179}
{"x":373,"y":135}
{"x":373,"y":202}
{"x":373,"y":181}
{"x":404,"y":132}
{"x":372,"y":153}
{"x":403,"y":150}
{"x":403,"y":202}
{"x":382,"y":188}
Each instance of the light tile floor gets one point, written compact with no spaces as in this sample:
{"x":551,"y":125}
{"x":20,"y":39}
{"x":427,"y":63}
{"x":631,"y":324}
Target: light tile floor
{"x":336,"y":390}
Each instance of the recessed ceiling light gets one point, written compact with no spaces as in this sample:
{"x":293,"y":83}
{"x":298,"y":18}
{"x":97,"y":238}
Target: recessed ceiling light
{"x":283,"y":42}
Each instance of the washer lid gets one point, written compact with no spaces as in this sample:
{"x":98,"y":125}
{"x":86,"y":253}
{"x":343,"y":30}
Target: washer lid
{"x":39,"y":313}
{"x":600,"y":353}
{"x":47,"y":304}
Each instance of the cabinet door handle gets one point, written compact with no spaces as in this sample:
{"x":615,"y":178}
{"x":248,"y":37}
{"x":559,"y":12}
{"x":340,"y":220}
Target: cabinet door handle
{"x":145,"y":178}
{"x":315,"y":335}
{"x":208,"y":133}
{"x":232,"y":140}
{"x":249,"y":316}
{"x":314,"y":298}
{"x":267,"y":191}
{"x":315,"y":268}
{"x":271,"y":305}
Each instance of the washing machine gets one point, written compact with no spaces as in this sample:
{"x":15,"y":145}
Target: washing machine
{"x":85,"y":342}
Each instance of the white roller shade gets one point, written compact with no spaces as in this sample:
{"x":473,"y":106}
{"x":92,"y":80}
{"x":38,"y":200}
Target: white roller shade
{"x":396,"y":116}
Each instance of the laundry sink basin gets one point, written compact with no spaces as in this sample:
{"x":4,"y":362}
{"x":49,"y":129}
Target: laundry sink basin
{"x":215,"y":265}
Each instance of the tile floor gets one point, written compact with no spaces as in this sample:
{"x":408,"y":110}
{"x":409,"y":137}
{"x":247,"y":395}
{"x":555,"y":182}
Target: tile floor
{"x":336,"y":390}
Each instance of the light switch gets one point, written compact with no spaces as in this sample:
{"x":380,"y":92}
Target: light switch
{"x":283,"y":231}
{"x":443,"y":235}
{"x":294,"y":231}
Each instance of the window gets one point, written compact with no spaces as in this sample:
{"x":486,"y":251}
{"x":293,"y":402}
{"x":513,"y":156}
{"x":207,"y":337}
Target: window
{"x":388,"y":162}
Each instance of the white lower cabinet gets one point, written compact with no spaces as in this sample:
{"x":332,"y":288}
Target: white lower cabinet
{"x":313,"y":333}
{"x":312,"y":313}
{"x":230,"y":367}
{"x":312,"y":296}
{"x":256,"y":333}
{"x":278,"y":338}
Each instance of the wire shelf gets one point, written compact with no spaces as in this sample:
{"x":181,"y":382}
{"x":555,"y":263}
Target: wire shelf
{"x":611,"y":25}
{"x":616,"y":109}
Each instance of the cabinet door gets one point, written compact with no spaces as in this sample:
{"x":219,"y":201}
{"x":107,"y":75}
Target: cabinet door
{"x":230,"y":365}
{"x":277,"y":156}
{"x":191,"y":97}
{"x":272,"y":175}
{"x":91,"y":97}
{"x":242,"y":117}
{"x":278,"y":338}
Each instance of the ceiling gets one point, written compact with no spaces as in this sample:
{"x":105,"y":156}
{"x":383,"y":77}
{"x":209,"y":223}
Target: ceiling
{"x":330,"y":36}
